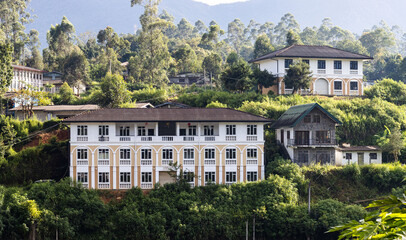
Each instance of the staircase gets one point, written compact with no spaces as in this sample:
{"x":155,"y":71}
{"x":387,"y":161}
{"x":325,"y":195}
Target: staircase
{"x":283,"y":151}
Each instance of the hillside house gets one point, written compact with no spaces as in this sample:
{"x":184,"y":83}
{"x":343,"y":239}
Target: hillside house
{"x":335,"y":72}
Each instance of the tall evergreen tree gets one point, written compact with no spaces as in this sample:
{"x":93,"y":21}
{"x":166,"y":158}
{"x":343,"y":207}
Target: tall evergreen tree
{"x":6,"y":70}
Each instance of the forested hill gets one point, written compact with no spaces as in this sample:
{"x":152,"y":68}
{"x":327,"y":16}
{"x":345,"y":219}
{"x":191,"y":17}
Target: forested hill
{"x":93,"y":15}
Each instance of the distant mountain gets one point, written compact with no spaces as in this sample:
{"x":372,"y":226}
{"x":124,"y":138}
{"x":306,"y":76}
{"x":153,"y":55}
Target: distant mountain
{"x":93,"y":15}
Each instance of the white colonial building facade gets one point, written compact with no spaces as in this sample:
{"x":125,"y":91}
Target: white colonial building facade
{"x":335,"y":72}
{"x":125,"y":148}
{"x":26,"y":77}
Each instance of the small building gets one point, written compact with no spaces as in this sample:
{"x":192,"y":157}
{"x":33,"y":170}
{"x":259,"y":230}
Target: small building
{"x":135,"y":147}
{"x":335,"y":72}
{"x":144,"y":105}
{"x":45,"y":113}
{"x":26,"y":77}
{"x":54,"y":80}
{"x":361,"y":155}
{"x":186,"y":79}
{"x":308,"y":134}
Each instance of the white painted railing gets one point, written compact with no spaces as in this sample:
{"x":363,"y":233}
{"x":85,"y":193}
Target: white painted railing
{"x":252,"y":138}
{"x":321,"y":71}
{"x":338,"y":71}
{"x":104,"y":185}
{"x":146,"y":185}
{"x":85,"y":185}
{"x":125,"y":185}
{"x":231,"y":162}
{"x":338,"y":92}
{"x":192,"y":184}
{"x":125,"y":162}
{"x":167,"y":162}
{"x":210,"y":139}
{"x":146,"y":139}
{"x":229,"y":183}
{"x":82,"y":162}
{"x":231,"y":138}
{"x":125,"y":139}
{"x":103,"y":162}
{"x":103,"y":139}
{"x":354,"y":72}
{"x":209,"y":162}
{"x":82,"y":139}
{"x":146,"y":162}
{"x":252,"y":161}
{"x":167,"y":139}
{"x":189,"y":139}
{"x":189,"y":162}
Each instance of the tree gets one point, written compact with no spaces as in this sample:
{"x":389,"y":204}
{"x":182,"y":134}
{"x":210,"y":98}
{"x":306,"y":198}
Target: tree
{"x":34,"y":59}
{"x":354,"y":46}
{"x":292,"y":38}
{"x":298,"y":76}
{"x":29,"y":97}
{"x":75,"y":68}
{"x":263,"y":79}
{"x":114,"y":91}
{"x":13,"y":17}
{"x":6,"y":70}
{"x":200,"y":27}
{"x":153,"y":58}
{"x":377,"y":41}
{"x":212,"y":64}
{"x":237,"y":77}
{"x":388,"y":90}
{"x":392,"y":142}
{"x":186,"y":59}
{"x":288,"y":22}
{"x":235,"y":34}
{"x":389,"y":222}
{"x":262,"y":46}
{"x":232,"y":58}
{"x":184,"y":29}
{"x":60,"y":44}
{"x":66,"y":94}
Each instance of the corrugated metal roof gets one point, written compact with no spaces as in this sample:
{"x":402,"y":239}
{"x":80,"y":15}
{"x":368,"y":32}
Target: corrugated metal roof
{"x":296,"y":113}
{"x":167,"y":114}
{"x":309,"y":51}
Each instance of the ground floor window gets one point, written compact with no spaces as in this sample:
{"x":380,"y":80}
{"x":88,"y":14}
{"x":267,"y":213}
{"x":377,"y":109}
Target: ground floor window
{"x":303,"y":156}
{"x":338,"y":85}
{"x":373,"y":156}
{"x":210,"y":177}
{"x":125,"y":177}
{"x":104,"y":177}
{"x":189,"y":176}
{"x":146,"y":177}
{"x":82,"y":177}
{"x":252,"y":176}
{"x":231,"y":177}
{"x":354,"y":86}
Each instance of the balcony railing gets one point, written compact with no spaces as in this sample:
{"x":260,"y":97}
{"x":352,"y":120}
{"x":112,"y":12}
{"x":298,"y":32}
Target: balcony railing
{"x":146,"y":162}
{"x":82,"y":162}
{"x":231,"y":138}
{"x":167,"y":162}
{"x":125,"y":139}
{"x":189,"y":162}
{"x":209,"y":162}
{"x":124,"y":162}
{"x":146,"y":139}
{"x":192,"y":184}
{"x":167,"y":139}
{"x":354,"y":72}
{"x":125,"y":185}
{"x":321,"y":71}
{"x":229,"y":183}
{"x":103,"y":162}
{"x":146,"y":185}
{"x":209,"y":138}
{"x":252,"y":138}
{"x":252,"y":161}
{"x":338,"y":71}
{"x":85,"y":185}
{"x":311,"y":142}
{"x":104,"y":185}
{"x":306,"y":162}
{"x":338,"y":92}
{"x":189,"y":139}
{"x":231,"y":161}
{"x":103,"y":139}
{"x":82,"y":139}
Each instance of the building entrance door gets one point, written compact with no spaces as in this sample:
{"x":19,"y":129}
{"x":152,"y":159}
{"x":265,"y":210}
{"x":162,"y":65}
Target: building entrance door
{"x":321,"y":86}
{"x":360,"y":158}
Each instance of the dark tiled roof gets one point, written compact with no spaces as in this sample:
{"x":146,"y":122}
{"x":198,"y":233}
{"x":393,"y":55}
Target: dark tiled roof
{"x":55,"y":108}
{"x":172,"y":104}
{"x":26,"y":68}
{"x":167,"y":114}
{"x":359,"y":148}
{"x":308,"y":51}
{"x":296,"y":113}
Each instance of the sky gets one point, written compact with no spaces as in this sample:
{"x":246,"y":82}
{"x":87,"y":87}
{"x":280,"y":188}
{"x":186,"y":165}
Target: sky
{"x":217,"y":2}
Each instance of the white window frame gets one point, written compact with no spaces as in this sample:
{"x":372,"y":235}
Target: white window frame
{"x":124,"y":131}
{"x":82,"y":130}
{"x":251,"y":175}
{"x":231,"y":177}
{"x":82,"y":177}
{"x":104,"y":177}
{"x":126,"y":176}
{"x":209,"y":177}
{"x":252,"y":130}
{"x":208,"y":130}
{"x":146,"y":177}
{"x":231,"y":129}
{"x":103,"y":130}
{"x":101,"y":156}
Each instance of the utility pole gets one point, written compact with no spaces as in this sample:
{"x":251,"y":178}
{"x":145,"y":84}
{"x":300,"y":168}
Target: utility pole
{"x":309,"y":197}
{"x":253,"y":228}
{"x":246,"y":230}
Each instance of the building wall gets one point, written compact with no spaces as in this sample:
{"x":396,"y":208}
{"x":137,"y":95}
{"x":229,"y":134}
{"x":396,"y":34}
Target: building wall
{"x":354,"y":154}
{"x":277,"y":66}
{"x":220,"y":166}
{"x":22,"y":78}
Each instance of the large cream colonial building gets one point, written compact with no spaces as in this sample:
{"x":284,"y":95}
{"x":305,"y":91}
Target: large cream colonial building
{"x":124,"y":148}
{"x":26,"y":76}
{"x":335,"y":72}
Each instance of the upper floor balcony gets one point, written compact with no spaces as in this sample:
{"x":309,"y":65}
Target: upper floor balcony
{"x":312,"y":142}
